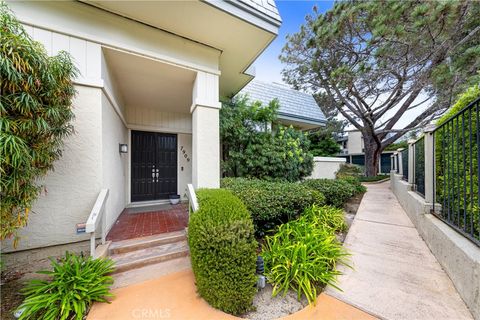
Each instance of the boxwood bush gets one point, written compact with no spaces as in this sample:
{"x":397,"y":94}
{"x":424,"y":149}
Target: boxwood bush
{"x":272,"y":203}
{"x":336,"y":192}
{"x":223,"y":251}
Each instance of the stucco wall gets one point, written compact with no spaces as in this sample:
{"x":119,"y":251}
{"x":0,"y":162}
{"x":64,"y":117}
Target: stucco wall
{"x":184,"y":144}
{"x":74,"y":185}
{"x":459,"y":257}
{"x":114,"y":163}
{"x":355,"y":142}
{"x":326,"y":167}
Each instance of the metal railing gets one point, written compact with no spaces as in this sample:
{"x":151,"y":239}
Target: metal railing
{"x":419,"y":166}
{"x":405,"y":164}
{"x":96,"y":215}
{"x":457,"y":171}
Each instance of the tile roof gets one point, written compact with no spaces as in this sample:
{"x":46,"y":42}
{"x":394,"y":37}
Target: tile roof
{"x":293,"y":103}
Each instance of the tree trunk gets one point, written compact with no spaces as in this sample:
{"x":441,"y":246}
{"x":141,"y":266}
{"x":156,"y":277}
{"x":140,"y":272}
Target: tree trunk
{"x":372,"y":156}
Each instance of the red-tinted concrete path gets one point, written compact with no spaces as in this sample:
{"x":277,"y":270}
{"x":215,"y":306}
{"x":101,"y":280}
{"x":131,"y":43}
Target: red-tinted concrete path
{"x":142,"y":224}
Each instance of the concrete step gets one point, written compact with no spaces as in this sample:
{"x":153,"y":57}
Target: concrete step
{"x":150,"y":255}
{"x":130,"y":245}
{"x":149,"y":272}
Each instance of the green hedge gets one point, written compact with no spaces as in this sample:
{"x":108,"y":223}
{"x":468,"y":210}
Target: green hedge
{"x":272,"y":203}
{"x":223,"y":251}
{"x":336,"y":192}
{"x":355,"y":182}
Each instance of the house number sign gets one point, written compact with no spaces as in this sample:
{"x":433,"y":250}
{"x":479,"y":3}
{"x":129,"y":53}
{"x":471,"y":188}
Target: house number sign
{"x":184,"y":153}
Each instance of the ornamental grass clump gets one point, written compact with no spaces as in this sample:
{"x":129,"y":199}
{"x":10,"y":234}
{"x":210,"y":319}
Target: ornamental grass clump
{"x":75,"y":283}
{"x":223,"y":251}
{"x":303,"y":254}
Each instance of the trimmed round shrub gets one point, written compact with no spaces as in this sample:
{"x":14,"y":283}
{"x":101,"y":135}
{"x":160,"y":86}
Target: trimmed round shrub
{"x":272,"y":203}
{"x":223,"y":251}
{"x":336,"y":192}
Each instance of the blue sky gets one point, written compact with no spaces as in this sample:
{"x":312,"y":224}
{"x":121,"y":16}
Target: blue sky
{"x":293,"y":13}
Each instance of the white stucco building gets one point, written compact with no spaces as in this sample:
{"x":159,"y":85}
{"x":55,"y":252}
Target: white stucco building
{"x":151,"y":77}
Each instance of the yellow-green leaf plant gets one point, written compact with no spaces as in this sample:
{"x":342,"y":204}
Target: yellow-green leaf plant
{"x":35,"y":117}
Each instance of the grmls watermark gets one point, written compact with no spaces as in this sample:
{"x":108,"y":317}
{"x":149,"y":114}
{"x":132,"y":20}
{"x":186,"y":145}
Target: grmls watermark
{"x":149,"y":313}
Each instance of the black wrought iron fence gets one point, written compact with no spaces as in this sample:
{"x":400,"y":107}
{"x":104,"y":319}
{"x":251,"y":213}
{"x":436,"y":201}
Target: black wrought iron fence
{"x":419,"y":166}
{"x":457,"y":171}
{"x":405,"y":164}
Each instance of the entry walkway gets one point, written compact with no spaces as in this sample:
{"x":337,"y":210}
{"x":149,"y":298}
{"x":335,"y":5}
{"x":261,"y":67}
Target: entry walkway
{"x":174,"y":296}
{"x":394,"y":275}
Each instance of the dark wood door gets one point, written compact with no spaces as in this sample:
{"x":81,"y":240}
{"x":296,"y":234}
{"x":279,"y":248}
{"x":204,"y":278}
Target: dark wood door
{"x":154,"y":165}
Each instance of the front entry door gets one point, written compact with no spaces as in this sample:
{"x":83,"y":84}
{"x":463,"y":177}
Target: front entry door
{"x":154,"y":165}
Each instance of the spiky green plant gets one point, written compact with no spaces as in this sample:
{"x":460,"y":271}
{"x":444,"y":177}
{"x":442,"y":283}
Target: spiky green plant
{"x":304,"y":253}
{"x":35,"y":117}
{"x":76,"y":282}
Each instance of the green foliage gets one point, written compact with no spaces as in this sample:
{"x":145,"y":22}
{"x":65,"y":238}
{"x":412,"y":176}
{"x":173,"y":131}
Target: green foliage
{"x":35,"y":117}
{"x":322,"y":143}
{"x":456,"y":171}
{"x":326,"y":217}
{"x":76,"y":282}
{"x":397,"y":145}
{"x":272,"y":203}
{"x":355,"y":183}
{"x":251,"y":149}
{"x":358,"y":53}
{"x":336,"y":192}
{"x":349,"y":170}
{"x":374,"y":178}
{"x":302,"y":255}
{"x":223,"y":251}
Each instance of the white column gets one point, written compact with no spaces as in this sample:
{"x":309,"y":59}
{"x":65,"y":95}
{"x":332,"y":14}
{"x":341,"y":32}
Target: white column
{"x":429,"y":163}
{"x":400,"y":161}
{"x":205,"y":131}
{"x":411,"y":161}
{"x":392,"y":163}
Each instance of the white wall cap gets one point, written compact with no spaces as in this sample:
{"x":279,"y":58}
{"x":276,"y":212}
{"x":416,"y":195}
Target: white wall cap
{"x":329,"y":159}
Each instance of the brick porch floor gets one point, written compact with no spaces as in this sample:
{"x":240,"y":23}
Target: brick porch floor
{"x":142,"y":224}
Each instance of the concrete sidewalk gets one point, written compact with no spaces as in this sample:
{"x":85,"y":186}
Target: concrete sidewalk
{"x":394,"y":276}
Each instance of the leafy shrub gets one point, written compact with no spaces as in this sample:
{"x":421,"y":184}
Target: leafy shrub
{"x":355,"y":182}
{"x":272,"y":203}
{"x":36,"y":114}
{"x":336,"y":192}
{"x":252,"y":150}
{"x":303,"y":254}
{"x":76,"y":282}
{"x":349,"y":170}
{"x":223,"y":251}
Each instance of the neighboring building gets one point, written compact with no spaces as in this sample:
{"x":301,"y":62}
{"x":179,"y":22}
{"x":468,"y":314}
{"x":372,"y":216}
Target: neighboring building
{"x":151,"y":78}
{"x":297,"y":108}
{"x":353,"y":149}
